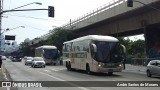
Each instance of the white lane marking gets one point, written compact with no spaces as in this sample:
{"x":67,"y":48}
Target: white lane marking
{"x":52,"y":76}
{"x":55,"y":69}
{"x":47,"y":70}
{"x":83,"y":88}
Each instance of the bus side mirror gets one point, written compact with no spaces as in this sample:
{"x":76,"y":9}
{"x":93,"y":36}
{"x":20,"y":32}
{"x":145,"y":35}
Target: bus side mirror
{"x":123,"y":48}
{"x":93,"y":47}
{"x":58,"y":52}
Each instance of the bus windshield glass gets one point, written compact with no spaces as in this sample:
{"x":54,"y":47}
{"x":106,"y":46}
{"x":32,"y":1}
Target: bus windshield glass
{"x":50,"y":53}
{"x":108,"y":52}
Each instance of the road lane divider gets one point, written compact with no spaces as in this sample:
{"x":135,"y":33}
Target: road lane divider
{"x":59,"y":79}
{"x":47,"y":70}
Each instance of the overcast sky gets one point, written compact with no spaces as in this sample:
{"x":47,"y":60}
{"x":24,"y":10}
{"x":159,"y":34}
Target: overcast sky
{"x":37,"y":23}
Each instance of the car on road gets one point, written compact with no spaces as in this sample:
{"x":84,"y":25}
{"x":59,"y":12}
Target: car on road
{"x":16,"y":59}
{"x":28,"y":60}
{"x":3,"y":57}
{"x":38,"y":62}
{"x":153,"y":68}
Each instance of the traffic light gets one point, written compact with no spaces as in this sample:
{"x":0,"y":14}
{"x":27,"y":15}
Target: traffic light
{"x":130,"y":3}
{"x":50,"y":11}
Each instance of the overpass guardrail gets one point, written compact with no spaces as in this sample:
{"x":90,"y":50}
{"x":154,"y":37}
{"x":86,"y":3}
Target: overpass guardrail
{"x":95,"y":12}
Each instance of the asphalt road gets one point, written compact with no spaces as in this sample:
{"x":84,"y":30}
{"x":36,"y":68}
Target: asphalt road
{"x":20,"y":72}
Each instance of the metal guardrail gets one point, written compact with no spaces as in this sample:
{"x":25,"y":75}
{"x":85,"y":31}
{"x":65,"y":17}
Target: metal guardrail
{"x":95,"y":12}
{"x":138,"y":61}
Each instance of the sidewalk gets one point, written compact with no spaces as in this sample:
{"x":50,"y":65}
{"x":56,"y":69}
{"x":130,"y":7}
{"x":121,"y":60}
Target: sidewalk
{"x":135,"y":69}
{"x":3,"y":76}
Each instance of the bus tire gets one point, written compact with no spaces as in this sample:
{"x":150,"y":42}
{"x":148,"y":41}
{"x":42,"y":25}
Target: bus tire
{"x":61,"y":62}
{"x":88,"y":69}
{"x":54,"y":64}
{"x":110,"y":73}
{"x":69,"y":66}
{"x":66,"y":64}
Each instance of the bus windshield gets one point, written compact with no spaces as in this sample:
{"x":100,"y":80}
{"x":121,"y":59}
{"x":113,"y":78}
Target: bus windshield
{"x":50,"y":53}
{"x":108,"y":52}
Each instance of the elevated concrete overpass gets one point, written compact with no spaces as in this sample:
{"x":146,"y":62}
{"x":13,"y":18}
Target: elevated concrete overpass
{"x":117,"y":19}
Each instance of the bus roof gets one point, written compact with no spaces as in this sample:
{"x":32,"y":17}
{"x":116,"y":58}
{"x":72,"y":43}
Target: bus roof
{"x":47,"y":47}
{"x":95,"y":37}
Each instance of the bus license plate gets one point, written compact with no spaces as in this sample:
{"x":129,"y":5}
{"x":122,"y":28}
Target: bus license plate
{"x":110,"y":70}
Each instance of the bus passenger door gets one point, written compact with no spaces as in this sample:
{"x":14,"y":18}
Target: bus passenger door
{"x":73,"y":60}
{"x":83,"y":60}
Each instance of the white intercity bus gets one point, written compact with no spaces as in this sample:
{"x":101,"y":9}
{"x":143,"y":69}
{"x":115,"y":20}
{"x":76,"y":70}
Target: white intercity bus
{"x":94,"y":53}
{"x":50,"y":54}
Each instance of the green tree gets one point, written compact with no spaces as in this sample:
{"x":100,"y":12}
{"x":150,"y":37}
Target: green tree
{"x":60,"y":35}
{"x":25,"y":48}
{"x":138,"y":48}
{"x":134,"y":48}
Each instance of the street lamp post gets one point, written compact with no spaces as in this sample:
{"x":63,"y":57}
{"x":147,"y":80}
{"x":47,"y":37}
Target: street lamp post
{"x":5,"y":30}
{"x":38,"y":3}
{"x":1,"y":12}
{"x":8,"y":29}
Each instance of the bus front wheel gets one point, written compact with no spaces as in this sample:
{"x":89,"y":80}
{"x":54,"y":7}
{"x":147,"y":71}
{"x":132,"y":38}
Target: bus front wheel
{"x":88,"y":69}
{"x":68,"y":66}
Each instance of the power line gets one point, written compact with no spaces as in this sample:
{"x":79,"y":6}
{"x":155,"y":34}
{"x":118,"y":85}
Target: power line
{"x":29,"y":25}
{"x":36,"y":18}
{"x":28,"y":17}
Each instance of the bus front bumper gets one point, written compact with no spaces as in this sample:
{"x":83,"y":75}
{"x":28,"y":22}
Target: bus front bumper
{"x":103,"y":70}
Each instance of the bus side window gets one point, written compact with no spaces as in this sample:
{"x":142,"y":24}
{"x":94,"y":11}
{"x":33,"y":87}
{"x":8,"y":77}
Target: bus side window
{"x":68,"y":48}
{"x":78,"y":48}
{"x":74,"y":48}
{"x":64,"y":48}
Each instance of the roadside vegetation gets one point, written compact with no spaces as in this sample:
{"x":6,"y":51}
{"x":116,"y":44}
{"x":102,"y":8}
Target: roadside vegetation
{"x":134,"y":49}
{"x":59,"y":36}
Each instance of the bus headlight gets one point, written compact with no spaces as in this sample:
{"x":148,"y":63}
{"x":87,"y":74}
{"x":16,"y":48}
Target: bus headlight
{"x":99,"y":65}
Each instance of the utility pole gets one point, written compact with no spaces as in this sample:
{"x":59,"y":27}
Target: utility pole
{"x":50,"y":13}
{"x":0,"y":25}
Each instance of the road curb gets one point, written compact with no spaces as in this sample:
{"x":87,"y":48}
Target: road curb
{"x":6,"y":74}
{"x":7,"y":77}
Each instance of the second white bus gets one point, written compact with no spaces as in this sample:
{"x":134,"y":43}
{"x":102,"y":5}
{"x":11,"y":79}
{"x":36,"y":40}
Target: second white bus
{"x":50,"y":54}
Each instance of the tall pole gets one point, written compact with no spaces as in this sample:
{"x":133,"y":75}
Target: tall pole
{"x":1,"y":12}
{"x":0,"y":25}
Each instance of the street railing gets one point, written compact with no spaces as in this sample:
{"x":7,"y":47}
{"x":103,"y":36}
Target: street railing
{"x":139,"y":61}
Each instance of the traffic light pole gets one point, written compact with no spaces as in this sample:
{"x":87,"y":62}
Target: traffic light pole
{"x":147,"y":5}
{"x":130,"y":4}
{"x":21,"y":10}
{"x":1,"y":12}
{"x":0,"y":25}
